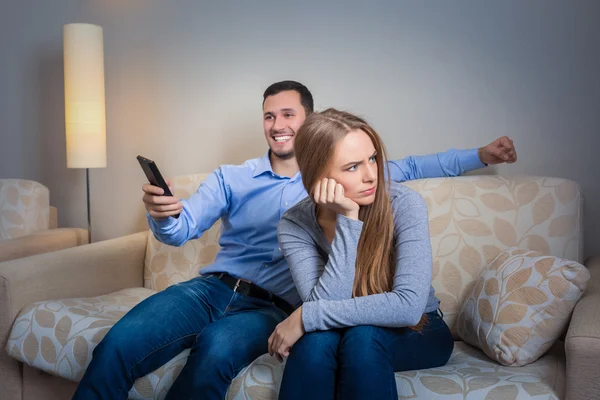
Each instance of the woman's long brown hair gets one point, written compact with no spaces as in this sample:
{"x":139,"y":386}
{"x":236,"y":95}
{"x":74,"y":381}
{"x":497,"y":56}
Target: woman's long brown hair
{"x":376,"y":254}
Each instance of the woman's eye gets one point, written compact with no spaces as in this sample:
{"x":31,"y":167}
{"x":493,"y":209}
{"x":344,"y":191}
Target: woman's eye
{"x":352,"y":168}
{"x":373,"y":159}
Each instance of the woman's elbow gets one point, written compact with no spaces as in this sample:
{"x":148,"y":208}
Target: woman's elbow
{"x":413,"y":318}
{"x":413,"y":310}
{"x":409,"y":318}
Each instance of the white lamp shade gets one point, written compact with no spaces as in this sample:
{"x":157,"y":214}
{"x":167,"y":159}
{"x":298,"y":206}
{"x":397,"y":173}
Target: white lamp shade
{"x":85,"y":115}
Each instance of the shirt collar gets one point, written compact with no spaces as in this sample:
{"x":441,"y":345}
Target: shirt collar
{"x":264,"y":165}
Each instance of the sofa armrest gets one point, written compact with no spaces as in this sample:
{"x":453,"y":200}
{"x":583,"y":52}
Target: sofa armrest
{"x":82,"y":271}
{"x":42,"y":242}
{"x":582,"y":344}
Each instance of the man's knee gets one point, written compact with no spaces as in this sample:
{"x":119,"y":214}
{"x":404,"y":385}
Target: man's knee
{"x":113,"y":345}
{"x":223,"y":354}
{"x":216,"y":350}
{"x":131,"y":335}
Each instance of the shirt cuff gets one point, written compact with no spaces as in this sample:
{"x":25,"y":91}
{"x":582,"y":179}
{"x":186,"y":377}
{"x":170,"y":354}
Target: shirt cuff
{"x":469,"y":160}
{"x":161,"y":225}
{"x":309,"y":316}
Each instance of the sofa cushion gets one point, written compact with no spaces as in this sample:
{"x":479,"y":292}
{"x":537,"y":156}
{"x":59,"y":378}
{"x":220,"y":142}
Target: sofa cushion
{"x":468,"y":375}
{"x":473,"y":218}
{"x":59,"y":336}
{"x":67,"y":331}
{"x":166,"y":265}
{"x":24,"y":208}
{"x":521,"y":304}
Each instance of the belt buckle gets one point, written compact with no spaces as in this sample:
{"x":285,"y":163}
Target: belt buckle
{"x":237,"y":284}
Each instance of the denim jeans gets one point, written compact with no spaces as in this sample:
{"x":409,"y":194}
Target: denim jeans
{"x":226,"y":331}
{"x":359,"y":362}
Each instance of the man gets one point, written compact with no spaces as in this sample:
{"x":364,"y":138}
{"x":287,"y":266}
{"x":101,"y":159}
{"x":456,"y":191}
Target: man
{"x":226,"y":321}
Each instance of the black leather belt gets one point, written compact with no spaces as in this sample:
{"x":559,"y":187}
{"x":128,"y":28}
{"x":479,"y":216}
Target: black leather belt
{"x":248,"y":288}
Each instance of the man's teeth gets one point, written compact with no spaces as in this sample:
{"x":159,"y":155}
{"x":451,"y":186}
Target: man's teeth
{"x":282,"y":138}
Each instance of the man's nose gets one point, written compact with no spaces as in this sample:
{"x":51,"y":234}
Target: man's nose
{"x":279,"y":124}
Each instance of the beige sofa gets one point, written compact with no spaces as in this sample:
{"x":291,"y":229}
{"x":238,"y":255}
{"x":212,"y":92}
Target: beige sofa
{"x":28,"y":222}
{"x":55,"y":307}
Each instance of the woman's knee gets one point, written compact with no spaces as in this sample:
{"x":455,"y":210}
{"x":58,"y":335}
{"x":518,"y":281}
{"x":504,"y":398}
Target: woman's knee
{"x":364,"y":335}
{"x":315,"y":347}
{"x":365,"y":344}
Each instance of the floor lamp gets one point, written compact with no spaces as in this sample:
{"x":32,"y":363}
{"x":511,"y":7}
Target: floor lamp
{"x":85,"y":116}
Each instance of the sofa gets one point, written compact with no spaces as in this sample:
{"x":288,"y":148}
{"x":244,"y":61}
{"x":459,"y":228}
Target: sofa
{"x":28,"y":224}
{"x":55,"y":307}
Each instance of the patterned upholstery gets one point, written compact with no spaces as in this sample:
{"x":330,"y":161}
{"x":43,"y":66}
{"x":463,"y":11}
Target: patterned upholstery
{"x":24,"y":208}
{"x":469,"y":374}
{"x":521,"y":304}
{"x":166,"y":265}
{"x":59,"y":336}
{"x":472,"y":219}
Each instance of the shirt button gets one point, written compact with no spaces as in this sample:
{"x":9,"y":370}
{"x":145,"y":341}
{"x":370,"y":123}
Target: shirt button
{"x":286,"y":203}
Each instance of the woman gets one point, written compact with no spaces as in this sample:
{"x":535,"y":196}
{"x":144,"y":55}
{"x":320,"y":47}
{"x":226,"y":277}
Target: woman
{"x":359,"y":251}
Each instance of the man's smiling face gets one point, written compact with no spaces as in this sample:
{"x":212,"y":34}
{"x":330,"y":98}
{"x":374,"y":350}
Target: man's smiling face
{"x":283,"y":115}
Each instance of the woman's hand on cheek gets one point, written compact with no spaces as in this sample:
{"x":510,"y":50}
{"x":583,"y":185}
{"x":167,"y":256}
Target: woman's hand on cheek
{"x":286,"y":334}
{"x":329,"y":194}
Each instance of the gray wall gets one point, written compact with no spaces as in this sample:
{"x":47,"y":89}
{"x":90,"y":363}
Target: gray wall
{"x":184,"y":81}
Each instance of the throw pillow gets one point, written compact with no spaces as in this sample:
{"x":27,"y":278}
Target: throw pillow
{"x":520,"y":305}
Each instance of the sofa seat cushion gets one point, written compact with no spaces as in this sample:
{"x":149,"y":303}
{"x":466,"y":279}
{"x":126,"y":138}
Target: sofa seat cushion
{"x":59,"y":336}
{"x":469,"y":374}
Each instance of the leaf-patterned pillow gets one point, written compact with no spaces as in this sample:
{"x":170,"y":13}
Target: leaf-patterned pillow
{"x":520,"y":305}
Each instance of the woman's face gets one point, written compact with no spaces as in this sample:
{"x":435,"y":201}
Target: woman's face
{"x":354,"y":166}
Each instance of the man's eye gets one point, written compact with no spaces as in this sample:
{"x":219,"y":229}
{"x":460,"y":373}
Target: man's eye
{"x":268,"y":117}
{"x":289,"y":115}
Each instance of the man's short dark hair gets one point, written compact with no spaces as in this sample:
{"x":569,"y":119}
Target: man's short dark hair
{"x":306,"y":98}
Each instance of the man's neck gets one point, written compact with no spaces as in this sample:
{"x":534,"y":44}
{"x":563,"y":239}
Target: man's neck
{"x":282,"y":167}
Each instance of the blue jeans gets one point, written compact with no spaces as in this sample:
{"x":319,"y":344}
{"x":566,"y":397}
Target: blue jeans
{"x":226,"y":331}
{"x":359,"y":362}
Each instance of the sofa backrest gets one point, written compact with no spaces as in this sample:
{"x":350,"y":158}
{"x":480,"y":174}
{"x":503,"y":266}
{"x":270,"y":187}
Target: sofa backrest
{"x":471,"y":220}
{"x":166,"y":265}
{"x":24,"y":207}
